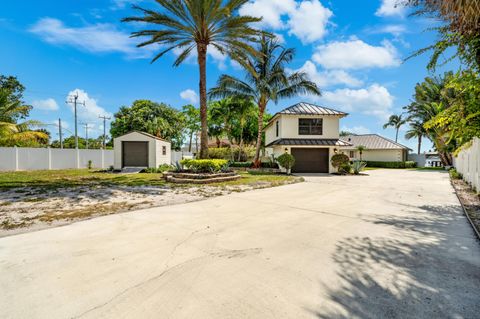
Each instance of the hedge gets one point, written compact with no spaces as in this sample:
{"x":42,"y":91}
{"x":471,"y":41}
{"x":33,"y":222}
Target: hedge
{"x":241,"y":164}
{"x":407,"y":164}
{"x":248,"y":153}
{"x":205,"y":165}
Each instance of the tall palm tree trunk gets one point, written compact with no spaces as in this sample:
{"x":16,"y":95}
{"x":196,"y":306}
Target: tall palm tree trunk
{"x":202,"y":60}
{"x":396,"y":135}
{"x":261,"y":110}
{"x":190,"y":143}
{"x":419,"y":144}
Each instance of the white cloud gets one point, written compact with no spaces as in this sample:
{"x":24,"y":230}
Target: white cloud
{"x":45,"y":105}
{"x":390,"y":8}
{"x":358,"y":129}
{"x":306,"y":19}
{"x":329,"y":77}
{"x":356,"y":54}
{"x":96,"y":38}
{"x":91,"y":111}
{"x":121,"y":4}
{"x":309,"y":21}
{"x":374,"y":100}
{"x":190,"y":96}
{"x":270,"y":10}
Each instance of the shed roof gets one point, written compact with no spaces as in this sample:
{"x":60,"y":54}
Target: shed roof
{"x":373,"y":141}
{"x":146,"y":134}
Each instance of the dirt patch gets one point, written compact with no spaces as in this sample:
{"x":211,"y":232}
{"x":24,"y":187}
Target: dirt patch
{"x":31,"y":208}
{"x":470,"y":200}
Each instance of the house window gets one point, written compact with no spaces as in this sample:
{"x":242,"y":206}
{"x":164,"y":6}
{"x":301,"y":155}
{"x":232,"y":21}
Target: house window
{"x":276,"y":129}
{"x":352,"y":154}
{"x":310,"y":126}
{"x":164,"y":150}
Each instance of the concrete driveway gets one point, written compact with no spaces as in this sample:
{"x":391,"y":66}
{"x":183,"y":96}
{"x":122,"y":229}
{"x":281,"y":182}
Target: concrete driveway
{"x":394,"y":244}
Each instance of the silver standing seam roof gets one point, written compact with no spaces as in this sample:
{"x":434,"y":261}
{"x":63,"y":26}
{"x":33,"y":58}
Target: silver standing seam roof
{"x":373,"y":141}
{"x":303,"y":108}
{"x":309,"y":141}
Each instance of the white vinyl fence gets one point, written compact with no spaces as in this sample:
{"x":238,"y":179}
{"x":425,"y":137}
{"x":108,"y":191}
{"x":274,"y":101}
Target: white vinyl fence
{"x":26,"y":158}
{"x":468,"y":164}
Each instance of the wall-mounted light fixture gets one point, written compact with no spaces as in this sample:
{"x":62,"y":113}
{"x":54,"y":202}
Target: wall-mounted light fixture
{"x":286,"y":149}
{"x":335,"y":150}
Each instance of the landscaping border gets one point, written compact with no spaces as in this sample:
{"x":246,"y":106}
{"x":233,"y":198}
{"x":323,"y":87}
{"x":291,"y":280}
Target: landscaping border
{"x":465,"y":211}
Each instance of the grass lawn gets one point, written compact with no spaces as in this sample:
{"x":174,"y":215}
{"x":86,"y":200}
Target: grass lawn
{"x":83,"y":177}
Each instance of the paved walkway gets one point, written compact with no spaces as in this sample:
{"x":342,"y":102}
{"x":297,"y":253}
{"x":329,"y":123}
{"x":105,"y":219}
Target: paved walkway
{"x":394,"y":244}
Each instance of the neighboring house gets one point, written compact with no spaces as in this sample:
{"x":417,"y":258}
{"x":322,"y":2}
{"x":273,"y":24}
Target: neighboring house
{"x":432,"y":159}
{"x":377,"y":148}
{"x":309,"y":132}
{"x":140,"y":149}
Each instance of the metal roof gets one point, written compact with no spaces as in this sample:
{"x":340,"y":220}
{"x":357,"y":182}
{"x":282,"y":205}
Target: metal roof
{"x":373,"y":141}
{"x":303,"y":108}
{"x":309,"y":141}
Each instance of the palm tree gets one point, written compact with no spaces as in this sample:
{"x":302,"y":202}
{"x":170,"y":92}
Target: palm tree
{"x":266,"y":80}
{"x":431,"y":98}
{"x":417,"y":130}
{"x":395,"y":121}
{"x":360,"y":149}
{"x":196,"y":25}
{"x":12,"y":133}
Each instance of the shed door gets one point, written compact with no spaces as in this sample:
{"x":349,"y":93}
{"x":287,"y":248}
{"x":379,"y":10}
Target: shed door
{"x":310,"y":160}
{"x":135,"y":154}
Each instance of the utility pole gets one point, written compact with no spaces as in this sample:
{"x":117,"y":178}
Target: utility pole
{"x":86,"y":134}
{"x":74,"y":100}
{"x":105,"y":118}
{"x":60,"y":132}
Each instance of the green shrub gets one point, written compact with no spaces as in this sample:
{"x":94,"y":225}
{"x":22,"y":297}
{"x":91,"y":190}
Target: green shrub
{"x":241,"y":164}
{"x":287,"y":161}
{"x":248,"y":153}
{"x":89,"y":164}
{"x":345,"y":168}
{"x":358,"y":166}
{"x":205,"y":165}
{"x":408,"y":164}
{"x":454,"y":174}
{"x":339,"y":159}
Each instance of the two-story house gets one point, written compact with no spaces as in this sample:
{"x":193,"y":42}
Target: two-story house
{"x":309,"y":132}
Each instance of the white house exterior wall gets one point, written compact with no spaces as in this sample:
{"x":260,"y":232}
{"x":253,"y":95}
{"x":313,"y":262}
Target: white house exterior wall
{"x":378,"y":155}
{"x":288,"y":127}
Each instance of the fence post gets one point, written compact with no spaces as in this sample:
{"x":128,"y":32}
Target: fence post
{"x":103,"y":158}
{"x":49,"y":150}
{"x":77,"y":158}
{"x":16,"y":158}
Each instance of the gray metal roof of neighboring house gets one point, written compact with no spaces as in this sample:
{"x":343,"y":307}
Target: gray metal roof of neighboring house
{"x":373,"y":141}
{"x":304,"y":108}
{"x":309,"y":141}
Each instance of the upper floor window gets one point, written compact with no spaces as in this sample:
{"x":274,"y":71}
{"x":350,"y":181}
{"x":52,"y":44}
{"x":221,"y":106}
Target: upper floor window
{"x":276,"y":129}
{"x":310,"y":126}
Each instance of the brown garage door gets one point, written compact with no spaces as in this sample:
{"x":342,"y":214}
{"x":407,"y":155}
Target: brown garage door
{"x":135,"y":154}
{"x":310,"y":160}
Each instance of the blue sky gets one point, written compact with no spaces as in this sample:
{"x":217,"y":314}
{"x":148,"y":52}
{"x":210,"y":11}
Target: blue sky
{"x":354,"y":52}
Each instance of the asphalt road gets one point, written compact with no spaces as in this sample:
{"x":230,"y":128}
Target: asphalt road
{"x":394,"y":244}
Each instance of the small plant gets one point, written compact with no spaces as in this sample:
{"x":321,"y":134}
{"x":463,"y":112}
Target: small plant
{"x":241,"y":164}
{"x":361,"y":149}
{"x":89,"y":164}
{"x":454,"y":174}
{"x":345,"y":168}
{"x":338,"y":160}
{"x":111,"y":168}
{"x":358,"y":166}
{"x":160,"y":170}
{"x":287,"y":161}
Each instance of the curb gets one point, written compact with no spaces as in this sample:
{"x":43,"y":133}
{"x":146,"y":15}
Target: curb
{"x":475,"y":230}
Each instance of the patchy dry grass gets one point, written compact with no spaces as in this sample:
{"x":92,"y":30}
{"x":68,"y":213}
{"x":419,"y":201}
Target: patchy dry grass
{"x":40,"y":199}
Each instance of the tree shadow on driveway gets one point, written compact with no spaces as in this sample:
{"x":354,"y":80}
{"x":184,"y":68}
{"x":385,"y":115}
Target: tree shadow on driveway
{"x":431,"y":271}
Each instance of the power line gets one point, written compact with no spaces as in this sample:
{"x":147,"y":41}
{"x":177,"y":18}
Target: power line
{"x":105,"y":118}
{"x":74,"y":100}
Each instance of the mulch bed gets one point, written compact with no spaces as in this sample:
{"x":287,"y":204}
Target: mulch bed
{"x":187,"y":177}
{"x":470,"y":200}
